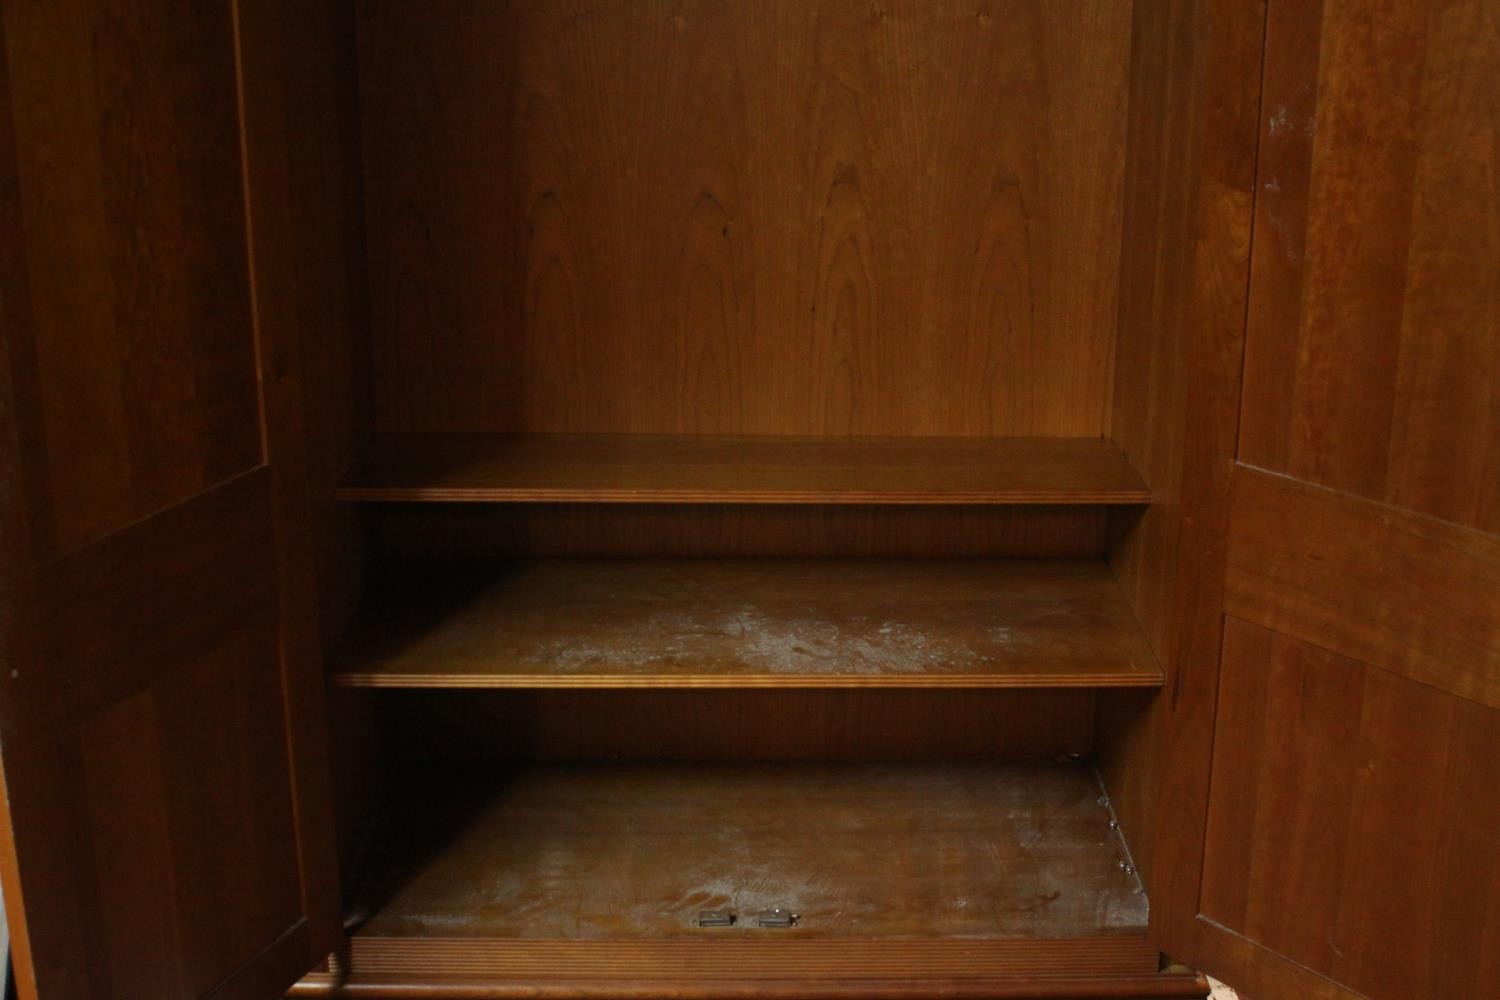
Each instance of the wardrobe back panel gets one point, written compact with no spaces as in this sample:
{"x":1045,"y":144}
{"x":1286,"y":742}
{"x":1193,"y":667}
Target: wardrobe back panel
{"x":740,"y":725}
{"x":476,"y":531}
{"x":744,"y":216}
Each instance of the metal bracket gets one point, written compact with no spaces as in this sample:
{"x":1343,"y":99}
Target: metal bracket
{"x":716,"y":918}
{"x":776,"y":917}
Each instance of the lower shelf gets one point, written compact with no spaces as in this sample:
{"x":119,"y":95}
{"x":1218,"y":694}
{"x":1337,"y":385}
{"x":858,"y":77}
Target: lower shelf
{"x":1166,"y":985}
{"x":897,"y":873}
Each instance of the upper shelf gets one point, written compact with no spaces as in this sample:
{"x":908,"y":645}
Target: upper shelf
{"x":625,"y":468}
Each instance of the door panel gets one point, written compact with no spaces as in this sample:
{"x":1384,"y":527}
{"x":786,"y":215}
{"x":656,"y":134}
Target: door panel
{"x":159,"y":688}
{"x":1372,"y":364}
{"x":131,"y":210}
{"x":1355,"y":832}
{"x":188,"y":720}
{"x":1350,"y":844}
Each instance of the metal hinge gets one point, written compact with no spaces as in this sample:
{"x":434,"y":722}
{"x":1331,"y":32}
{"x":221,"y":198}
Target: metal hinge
{"x":776,"y":917}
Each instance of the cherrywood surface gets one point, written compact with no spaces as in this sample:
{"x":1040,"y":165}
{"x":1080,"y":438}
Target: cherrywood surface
{"x":798,"y":958}
{"x":177,"y":753}
{"x":276,"y":40}
{"x":528,"y":925}
{"x":526,"y":167}
{"x":714,"y":724}
{"x":15,"y":531}
{"x":1161,"y":986}
{"x":1411,"y":594}
{"x":302,"y":158}
{"x":622,"y":852}
{"x":498,"y":531}
{"x":823,"y":965}
{"x":131,"y":214}
{"x":157,"y":698}
{"x":1195,"y":89}
{"x":268,"y":971}
{"x":1372,"y":800}
{"x":627,"y":468}
{"x":1353,"y":761}
{"x":322,"y":245}
{"x":1374,"y":364}
{"x":752,"y":623}
{"x":744,"y":217}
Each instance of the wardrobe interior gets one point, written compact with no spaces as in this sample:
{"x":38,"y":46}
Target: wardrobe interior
{"x":743,"y":441}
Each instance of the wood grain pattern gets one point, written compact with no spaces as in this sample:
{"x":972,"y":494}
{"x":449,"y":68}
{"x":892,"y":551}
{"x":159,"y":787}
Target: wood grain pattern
{"x":166,"y":720}
{"x":152,"y":705}
{"x":1288,"y":130}
{"x":17,"y":640}
{"x":1376,"y":359}
{"x":111,"y":621}
{"x":613,"y":468}
{"x":497,"y":531}
{"x":1408,"y":593}
{"x":1371,"y":798}
{"x":1195,"y":91}
{"x":666,"y":960}
{"x":302,"y":144}
{"x":273,"y":40}
{"x":1369,"y":384}
{"x":752,"y":623}
{"x":770,"y":724}
{"x":610,"y":853}
{"x":744,"y":217}
{"x":270,"y":968}
{"x":321,"y":244}
{"x":1161,"y":986}
{"x":545,"y":961}
{"x":127,"y":158}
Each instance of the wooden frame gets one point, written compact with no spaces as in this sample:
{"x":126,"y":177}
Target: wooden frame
{"x":724,"y":391}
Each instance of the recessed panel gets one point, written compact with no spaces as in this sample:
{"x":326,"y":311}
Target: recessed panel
{"x":1373,"y":360}
{"x":134,"y":313}
{"x":1352,"y":819}
{"x":189,"y":812}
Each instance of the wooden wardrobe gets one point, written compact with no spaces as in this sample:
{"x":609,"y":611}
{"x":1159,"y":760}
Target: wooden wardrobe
{"x":793,"y":499}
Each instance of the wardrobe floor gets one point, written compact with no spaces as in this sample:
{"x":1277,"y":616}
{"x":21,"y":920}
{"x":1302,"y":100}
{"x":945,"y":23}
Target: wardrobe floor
{"x":867,"y":851}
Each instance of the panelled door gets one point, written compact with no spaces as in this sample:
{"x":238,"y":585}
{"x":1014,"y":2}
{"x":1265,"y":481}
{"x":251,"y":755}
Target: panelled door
{"x":160,"y":708}
{"x":1352,"y":844}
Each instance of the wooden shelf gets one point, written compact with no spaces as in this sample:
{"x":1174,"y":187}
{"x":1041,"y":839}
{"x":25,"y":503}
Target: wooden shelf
{"x":693,"y":623}
{"x":624,"y":468}
{"x":913,"y":863}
